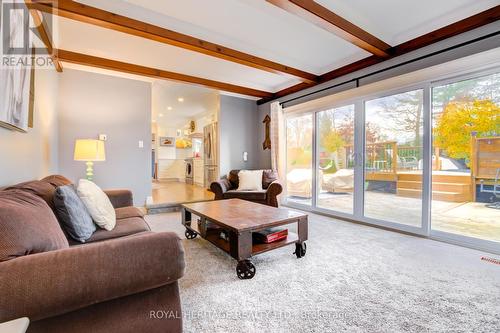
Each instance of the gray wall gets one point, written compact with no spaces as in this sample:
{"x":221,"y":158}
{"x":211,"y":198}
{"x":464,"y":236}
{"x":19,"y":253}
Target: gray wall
{"x":33,"y":155}
{"x":238,"y":125}
{"x":91,"y":104}
{"x":263,"y":156}
{"x":459,"y":52}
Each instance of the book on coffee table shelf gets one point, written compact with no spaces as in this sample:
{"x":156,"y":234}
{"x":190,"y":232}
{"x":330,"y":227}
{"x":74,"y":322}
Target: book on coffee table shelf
{"x":269,"y":235}
{"x":224,"y":235}
{"x":208,"y":225}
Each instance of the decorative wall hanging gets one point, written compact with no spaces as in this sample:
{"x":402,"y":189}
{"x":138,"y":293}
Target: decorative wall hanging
{"x":17,"y":84}
{"x":167,"y":141}
{"x":267,"y":142}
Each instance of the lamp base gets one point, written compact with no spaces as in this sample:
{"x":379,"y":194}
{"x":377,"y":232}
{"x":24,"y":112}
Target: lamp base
{"x":90,"y":170}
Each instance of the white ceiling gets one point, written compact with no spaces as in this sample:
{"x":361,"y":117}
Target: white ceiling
{"x":397,"y":21}
{"x":167,"y":111}
{"x":106,"y":43}
{"x":258,"y":28}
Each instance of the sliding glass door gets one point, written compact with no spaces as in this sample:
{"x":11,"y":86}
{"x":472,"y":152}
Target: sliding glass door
{"x":393,"y":158}
{"x":466,"y":158}
{"x":423,"y":159}
{"x":367,"y":163}
{"x":335,"y":166}
{"x":299,"y":159}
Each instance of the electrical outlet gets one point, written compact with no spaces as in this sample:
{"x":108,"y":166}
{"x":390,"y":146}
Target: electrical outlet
{"x":103,"y":137}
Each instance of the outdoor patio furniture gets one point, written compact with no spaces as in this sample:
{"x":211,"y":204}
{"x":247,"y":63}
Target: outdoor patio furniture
{"x":408,"y":162}
{"x":299,"y":182}
{"x":340,"y":181}
{"x":496,"y":191}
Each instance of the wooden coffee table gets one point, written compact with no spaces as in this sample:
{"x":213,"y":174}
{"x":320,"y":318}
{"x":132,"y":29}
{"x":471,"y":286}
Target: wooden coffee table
{"x":238,"y":219}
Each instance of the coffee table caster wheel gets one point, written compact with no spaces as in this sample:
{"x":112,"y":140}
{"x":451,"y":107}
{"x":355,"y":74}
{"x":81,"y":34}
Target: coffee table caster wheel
{"x":300,"y":249}
{"x":245,"y":270}
{"x":190,"y":234}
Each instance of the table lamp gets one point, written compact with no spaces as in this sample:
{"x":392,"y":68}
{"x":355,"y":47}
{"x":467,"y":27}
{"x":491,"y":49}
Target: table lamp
{"x":90,"y":151}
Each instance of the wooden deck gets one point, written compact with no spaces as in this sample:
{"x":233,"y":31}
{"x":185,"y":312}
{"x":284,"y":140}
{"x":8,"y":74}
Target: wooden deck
{"x":390,"y":162}
{"x":446,"y":186}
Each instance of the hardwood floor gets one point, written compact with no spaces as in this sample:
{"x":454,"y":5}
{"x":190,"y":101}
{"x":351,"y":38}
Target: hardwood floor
{"x":171,"y":193}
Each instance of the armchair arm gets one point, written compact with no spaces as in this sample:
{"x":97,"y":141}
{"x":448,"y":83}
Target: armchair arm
{"x":120,"y":198}
{"x":273,"y":191}
{"x":220,"y":187}
{"x":47,"y":284}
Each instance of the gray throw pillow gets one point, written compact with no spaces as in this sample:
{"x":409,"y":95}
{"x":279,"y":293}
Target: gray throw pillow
{"x":72,"y":213}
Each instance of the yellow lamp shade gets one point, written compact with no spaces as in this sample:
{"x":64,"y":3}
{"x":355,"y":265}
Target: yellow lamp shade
{"x":89,"y":150}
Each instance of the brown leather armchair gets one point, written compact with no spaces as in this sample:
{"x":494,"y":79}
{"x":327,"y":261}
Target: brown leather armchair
{"x":226,"y":188}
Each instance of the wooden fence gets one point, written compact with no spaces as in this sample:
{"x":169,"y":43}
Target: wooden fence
{"x":485,"y":160}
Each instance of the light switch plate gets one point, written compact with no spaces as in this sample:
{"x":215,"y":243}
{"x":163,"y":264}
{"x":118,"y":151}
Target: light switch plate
{"x":141,"y":144}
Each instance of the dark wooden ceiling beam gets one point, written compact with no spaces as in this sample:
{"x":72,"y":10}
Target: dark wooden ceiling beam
{"x":44,"y":36}
{"x":324,"y":18}
{"x":83,"y":13}
{"x":88,"y":60}
{"x":475,"y":21}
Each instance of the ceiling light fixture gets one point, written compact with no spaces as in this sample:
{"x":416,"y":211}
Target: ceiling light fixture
{"x":180,"y":99}
{"x":169,"y":108}
{"x":161,"y":114}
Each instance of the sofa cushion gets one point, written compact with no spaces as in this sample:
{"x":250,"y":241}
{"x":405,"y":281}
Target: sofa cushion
{"x":250,"y":180}
{"x":74,"y":217}
{"x":268,"y":176}
{"x":40,"y":188}
{"x":233,"y":178}
{"x":120,"y":198}
{"x":124,"y":227}
{"x":246,"y":195}
{"x":98,"y":204}
{"x":57,"y":180}
{"x":27,"y":225}
{"x":126,"y":212}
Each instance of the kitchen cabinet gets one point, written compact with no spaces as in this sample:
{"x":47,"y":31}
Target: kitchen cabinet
{"x":198,"y":176}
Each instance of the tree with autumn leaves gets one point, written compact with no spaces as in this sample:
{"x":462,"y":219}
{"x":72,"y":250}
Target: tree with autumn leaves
{"x":460,"y":120}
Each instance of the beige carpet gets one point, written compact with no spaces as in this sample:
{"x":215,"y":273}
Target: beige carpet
{"x":354,"y":278}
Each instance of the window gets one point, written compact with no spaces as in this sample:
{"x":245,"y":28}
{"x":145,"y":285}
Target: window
{"x":336,"y":159}
{"x":299,"y":155}
{"x":424,"y":160}
{"x":466,"y":155}
{"x":393,"y":158}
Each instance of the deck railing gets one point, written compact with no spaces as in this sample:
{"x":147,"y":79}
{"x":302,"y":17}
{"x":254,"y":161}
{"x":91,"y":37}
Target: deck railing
{"x":387,"y":157}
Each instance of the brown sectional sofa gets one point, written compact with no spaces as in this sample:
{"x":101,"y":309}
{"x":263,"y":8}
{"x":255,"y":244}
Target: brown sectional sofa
{"x":226,"y":187}
{"x":112,"y":283}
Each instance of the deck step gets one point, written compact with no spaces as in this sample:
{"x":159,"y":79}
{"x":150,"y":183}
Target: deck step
{"x":438,"y":178}
{"x":436,"y":195}
{"x":436,"y":186}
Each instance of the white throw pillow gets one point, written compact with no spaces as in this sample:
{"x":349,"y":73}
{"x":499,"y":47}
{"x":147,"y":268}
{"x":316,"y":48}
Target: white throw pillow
{"x":250,"y":180}
{"x":98,"y":204}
